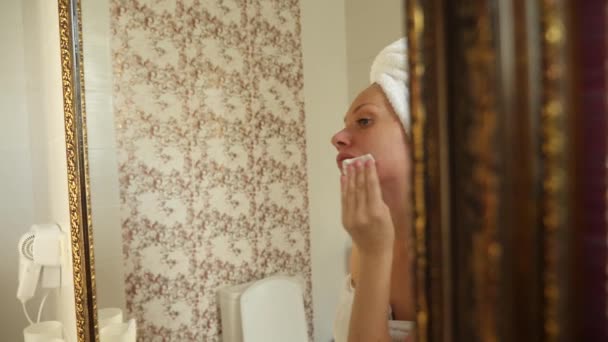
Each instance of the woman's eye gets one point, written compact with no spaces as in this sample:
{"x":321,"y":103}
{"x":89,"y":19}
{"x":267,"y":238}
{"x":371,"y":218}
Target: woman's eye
{"x":363,"y":122}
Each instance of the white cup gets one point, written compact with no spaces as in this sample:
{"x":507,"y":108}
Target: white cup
{"x":118,"y":332}
{"x":109,"y":316}
{"x":46,"y":331}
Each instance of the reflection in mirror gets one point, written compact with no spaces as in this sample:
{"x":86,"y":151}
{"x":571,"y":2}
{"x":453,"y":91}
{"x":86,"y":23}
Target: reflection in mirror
{"x":34,"y":210}
{"x":208,"y":127}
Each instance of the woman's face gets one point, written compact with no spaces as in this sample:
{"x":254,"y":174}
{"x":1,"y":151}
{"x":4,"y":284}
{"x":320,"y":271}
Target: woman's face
{"x":372,"y":126}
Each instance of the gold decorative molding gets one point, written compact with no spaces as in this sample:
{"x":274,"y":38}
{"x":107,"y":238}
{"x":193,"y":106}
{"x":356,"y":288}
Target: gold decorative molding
{"x":553,"y":128}
{"x":475,"y":163}
{"x":415,"y":19}
{"x":481,"y":147}
{"x":86,"y":180}
{"x":75,"y":152}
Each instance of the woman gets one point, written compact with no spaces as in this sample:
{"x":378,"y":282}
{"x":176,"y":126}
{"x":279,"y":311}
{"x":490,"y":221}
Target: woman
{"x":378,"y":301}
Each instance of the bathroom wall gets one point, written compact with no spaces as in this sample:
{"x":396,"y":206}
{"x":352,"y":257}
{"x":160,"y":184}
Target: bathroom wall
{"x":33,"y":176}
{"x":47,"y":141}
{"x":212,"y":165}
{"x":370,"y":26}
{"x":326,"y":94}
{"x":16,"y":199}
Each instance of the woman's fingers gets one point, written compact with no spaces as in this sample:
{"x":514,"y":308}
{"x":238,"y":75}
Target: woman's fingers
{"x":343,"y":184}
{"x":364,"y":214}
{"x":350,"y":189}
{"x":374,"y":194}
{"x":343,"y":188}
{"x":343,"y":193}
{"x":360,"y":193}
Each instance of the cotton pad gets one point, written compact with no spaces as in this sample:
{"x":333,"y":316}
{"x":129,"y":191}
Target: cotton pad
{"x":362,"y":158}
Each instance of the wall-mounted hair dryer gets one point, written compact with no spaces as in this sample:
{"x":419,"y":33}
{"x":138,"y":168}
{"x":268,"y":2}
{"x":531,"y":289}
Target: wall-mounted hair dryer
{"x":40,"y":256}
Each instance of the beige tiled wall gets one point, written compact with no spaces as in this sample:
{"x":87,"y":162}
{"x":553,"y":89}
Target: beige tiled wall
{"x":210,"y":131}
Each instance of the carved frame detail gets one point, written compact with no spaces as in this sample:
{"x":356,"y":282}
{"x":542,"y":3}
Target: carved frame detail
{"x":72,"y":77}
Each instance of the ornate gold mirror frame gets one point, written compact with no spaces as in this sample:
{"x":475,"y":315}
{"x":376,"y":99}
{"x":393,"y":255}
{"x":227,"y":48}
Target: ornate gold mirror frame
{"x":70,"y":35}
{"x":497,"y":111}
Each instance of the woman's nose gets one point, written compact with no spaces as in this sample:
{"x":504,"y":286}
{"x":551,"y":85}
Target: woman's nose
{"x":340,"y":139}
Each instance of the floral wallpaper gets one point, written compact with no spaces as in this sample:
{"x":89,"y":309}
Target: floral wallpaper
{"x":209,"y":111}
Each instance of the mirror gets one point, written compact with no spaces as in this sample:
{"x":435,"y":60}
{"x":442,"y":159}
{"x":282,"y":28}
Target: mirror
{"x":210,"y":168}
{"x":209,"y":127}
{"x":43,"y":289}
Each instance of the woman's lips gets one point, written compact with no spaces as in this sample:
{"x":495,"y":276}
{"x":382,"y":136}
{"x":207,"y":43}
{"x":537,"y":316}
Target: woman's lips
{"x":341,"y":157}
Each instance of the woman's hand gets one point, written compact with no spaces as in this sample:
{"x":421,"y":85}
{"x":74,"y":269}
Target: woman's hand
{"x":365,"y":216}
{"x":368,"y":221}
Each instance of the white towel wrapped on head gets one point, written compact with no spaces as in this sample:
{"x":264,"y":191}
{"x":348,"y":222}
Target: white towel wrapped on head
{"x":389,"y":71}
